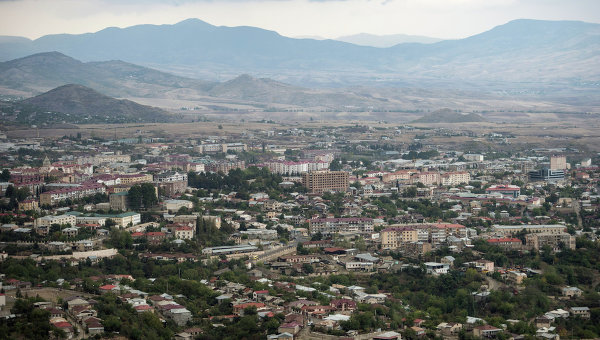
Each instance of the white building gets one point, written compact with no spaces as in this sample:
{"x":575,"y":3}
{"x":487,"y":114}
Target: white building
{"x":47,"y":221}
{"x":436,"y":268}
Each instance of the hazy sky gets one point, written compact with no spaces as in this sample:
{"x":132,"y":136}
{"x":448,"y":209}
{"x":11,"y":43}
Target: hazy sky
{"x":325,"y":18}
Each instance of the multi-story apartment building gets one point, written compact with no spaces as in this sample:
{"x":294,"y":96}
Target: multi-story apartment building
{"x":394,"y":237}
{"x":430,"y":232}
{"x":554,"y":240}
{"x":295,"y":168}
{"x":400,"y":175}
{"x":135,"y":178}
{"x":426,"y":178}
{"x":170,"y":176}
{"x":104,"y":159}
{"x":119,"y":201}
{"x":225,"y":166}
{"x":322,"y":181}
{"x":49,"y":220}
{"x":530,"y":229}
{"x":218,"y":148}
{"x":55,"y":196}
{"x":328,"y":226}
{"x":558,"y":162}
{"x":184,"y":233}
{"x":455,"y":178}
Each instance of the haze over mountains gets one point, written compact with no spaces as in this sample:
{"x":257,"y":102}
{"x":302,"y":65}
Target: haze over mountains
{"x":522,"y":53}
{"x":383,"y":41}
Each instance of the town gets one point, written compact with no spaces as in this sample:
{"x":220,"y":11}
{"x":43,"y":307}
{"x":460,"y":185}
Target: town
{"x":357,"y":230}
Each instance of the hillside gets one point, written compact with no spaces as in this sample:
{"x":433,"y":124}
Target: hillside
{"x":41,"y":72}
{"x":84,"y":105}
{"x":449,"y":116}
{"x":522,"y":53}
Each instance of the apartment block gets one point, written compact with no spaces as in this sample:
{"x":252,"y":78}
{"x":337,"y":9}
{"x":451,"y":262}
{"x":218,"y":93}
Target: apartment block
{"x":323,"y":181}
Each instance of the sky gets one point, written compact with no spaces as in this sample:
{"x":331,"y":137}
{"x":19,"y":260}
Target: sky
{"x":446,"y":19}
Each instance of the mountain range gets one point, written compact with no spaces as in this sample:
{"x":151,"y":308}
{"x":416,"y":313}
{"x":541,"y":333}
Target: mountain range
{"x":35,"y":74}
{"x":521,"y":53}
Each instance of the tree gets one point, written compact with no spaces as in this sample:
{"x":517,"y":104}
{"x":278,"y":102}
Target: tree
{"x":5,"y":175}
{"x":142,"y":196}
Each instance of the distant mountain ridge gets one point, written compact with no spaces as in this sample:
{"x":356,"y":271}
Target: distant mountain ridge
{"x":384,"y":41}
{"x":519,"y":51}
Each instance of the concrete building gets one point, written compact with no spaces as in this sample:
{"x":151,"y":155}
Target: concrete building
{"x":455,"y":178}
{"x":436,"y":268}
{"x":504,"y":190}
{"x":322,"y":181}
{"x":47,"y":221}
{"x":394,"y":237}
{"x":184,"y":233}
{"x":175,"y":205}
{"x":546,"y":175}
{"x":328,"y":226}
{"x":541,"y":228}
{"x":556,"y":241}
{"x":507,"y":243}
{"x":56,"y":196}
{"x":426,"y":178}
{"x":119,"y":201}
{"x":558,"y":162}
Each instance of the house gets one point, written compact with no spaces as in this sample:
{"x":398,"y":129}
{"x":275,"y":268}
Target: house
{"x":391,"y":335}
{"x":516,"y":277}
{"x":77,"y":302}
{"x":281,"y":336}
{"x":343,"y":305}
{"x":239,"y":309}
{"x":449,"y":328}
{"x":109,"y":288}
{"x":543,"y":321}
{"x":436,"y":268}
{"x":94,"y":325}
{"x":582,"y":312}
{"x":183,"y":336}
{"x":484,"y":265}
{"x":290,"y":327}
{"x":260,"y":294}
{"x":486,"y":331}
{"x":418,"y":330}
{"x":449,"y":260}
{"x":571,"y":292}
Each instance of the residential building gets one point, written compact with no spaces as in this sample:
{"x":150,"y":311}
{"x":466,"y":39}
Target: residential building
{"x":184,"y":233}
{"x":558,"y":162}
{"x":119,"y":201}
{"x":328,"y":226}
{"x":582,"y":312}
{"x":436,"y":268}
{"x":455,"y":178}
{"x":556,"y":241}
{"x":510,"y":243}
{"x":321,"y":181}
{"x":175,"y":205}
{"x":393,"y":237}
{"x":530,"y":229}
{"x":54,"y":197}
{"x":47,"y":221}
